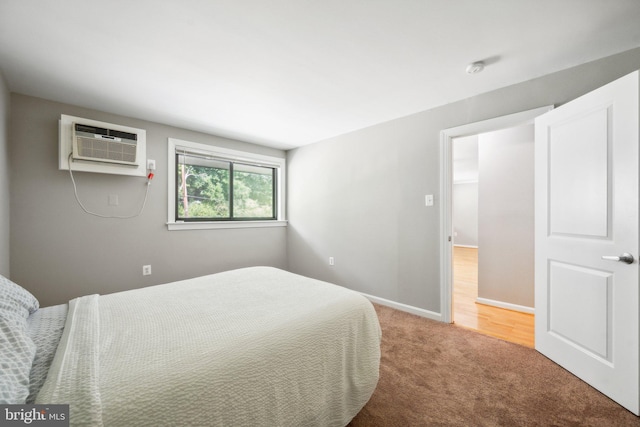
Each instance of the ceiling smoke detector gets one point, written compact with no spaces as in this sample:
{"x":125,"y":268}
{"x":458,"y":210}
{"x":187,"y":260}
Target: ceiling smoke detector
{"x":475,"y":68}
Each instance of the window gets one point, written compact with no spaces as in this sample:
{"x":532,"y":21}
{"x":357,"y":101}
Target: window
{"x":213,"y":187}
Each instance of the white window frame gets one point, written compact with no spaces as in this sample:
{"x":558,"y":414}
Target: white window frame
{"x":233,"y":155}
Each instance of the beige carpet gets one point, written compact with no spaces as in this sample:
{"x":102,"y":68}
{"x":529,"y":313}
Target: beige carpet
{"x":435,"y":374}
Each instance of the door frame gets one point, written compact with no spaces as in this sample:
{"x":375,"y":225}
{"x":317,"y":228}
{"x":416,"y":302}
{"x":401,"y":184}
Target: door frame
{"x":446,"y":192}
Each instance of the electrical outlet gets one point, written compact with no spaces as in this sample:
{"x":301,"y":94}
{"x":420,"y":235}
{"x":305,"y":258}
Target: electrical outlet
{"x":331,"y":261}
{"x":146,"y":270}
{"x":151,"y":164}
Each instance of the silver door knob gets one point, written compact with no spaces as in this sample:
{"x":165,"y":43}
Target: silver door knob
{"x":625,"y":257}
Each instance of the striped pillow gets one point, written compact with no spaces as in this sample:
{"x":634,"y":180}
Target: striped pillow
{"x":17,"y":350}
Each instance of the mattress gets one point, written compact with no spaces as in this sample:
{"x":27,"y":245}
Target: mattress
{"x":249,"y":347}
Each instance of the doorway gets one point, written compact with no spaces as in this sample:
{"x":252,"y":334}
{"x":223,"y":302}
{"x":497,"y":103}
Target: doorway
{"x":492,"y":228}
{"x":492,"y":309}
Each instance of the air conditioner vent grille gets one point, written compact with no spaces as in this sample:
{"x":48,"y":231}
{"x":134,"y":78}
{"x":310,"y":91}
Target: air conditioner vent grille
{"x":104,"y":149}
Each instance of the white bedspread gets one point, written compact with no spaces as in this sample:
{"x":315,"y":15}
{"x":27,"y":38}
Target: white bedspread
{"x":249,"y":347}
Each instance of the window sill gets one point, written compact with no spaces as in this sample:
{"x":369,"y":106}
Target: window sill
{"x":212,"y":225}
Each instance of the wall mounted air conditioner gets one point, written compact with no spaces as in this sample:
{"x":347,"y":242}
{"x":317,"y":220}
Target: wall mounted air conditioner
{"x":98,"y":144}
{"x":93,"y":146}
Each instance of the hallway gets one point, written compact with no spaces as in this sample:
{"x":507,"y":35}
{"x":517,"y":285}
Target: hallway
{"x":508,"y":325}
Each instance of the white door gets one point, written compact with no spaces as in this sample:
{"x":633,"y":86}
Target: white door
{"x":586,"y":198}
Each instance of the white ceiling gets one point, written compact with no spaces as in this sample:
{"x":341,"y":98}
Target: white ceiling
{"x":286,"y":73}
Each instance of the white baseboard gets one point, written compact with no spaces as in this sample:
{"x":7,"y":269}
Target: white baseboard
{"x":508,"y":306}
{"x":466,"y":246}
{"x":406,"y":308}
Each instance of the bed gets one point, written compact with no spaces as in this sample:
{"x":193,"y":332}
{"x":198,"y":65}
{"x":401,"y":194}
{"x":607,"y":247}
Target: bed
{"x":250,"y":347}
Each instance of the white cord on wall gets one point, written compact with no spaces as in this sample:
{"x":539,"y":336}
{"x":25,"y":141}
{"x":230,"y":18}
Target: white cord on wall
{"x":75,"y":192}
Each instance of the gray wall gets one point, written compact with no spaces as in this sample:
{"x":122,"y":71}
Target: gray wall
{"x":465,"y":214}
{"x":58,"y":252}
{"x":4,"y":177}
{"x":506,"y":216}
{"x":465,"y":191}
{"x":360,"y":196}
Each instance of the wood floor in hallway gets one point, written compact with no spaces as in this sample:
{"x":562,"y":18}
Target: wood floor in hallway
{"x":508,"y":325}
